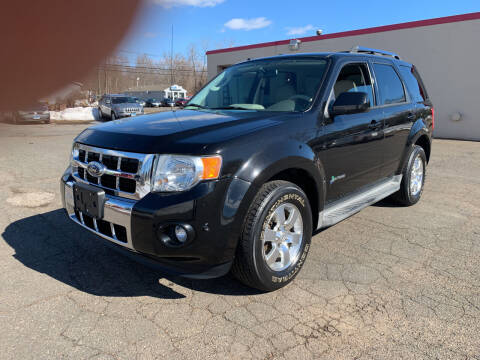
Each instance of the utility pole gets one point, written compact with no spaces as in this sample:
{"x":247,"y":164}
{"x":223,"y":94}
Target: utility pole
{"x":106,"y":78}
{"x":171,"y":60}
{"x":98,"y":76}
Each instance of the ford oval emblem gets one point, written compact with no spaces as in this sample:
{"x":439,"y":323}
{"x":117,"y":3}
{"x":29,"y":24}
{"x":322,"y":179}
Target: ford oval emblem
{"x":95,"y":169}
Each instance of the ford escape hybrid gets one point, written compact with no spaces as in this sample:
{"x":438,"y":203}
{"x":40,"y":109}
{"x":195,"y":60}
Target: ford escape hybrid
{"x":264,"y":155}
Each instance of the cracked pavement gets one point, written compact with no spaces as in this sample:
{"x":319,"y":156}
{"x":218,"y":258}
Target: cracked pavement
{"x":387,"y":283}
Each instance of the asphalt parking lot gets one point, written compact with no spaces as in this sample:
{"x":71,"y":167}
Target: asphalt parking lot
{"x":388,"y":283}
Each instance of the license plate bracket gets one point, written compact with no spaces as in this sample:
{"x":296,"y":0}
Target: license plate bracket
{"x":89,"y":200}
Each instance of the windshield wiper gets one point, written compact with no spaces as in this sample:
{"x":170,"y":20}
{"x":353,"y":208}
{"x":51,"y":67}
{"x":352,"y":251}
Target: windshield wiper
{"x":232,"y":108}
{"x":197,"y":106}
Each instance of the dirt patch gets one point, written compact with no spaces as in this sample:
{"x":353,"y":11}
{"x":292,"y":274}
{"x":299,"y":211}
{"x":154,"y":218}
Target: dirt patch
{"x":31,"y":199}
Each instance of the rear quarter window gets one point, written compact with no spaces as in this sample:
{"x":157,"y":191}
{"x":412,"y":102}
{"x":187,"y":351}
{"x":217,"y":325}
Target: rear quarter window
{"x":414,"y":84}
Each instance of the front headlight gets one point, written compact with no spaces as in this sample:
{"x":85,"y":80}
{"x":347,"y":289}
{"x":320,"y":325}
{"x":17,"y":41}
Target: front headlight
{"x":73,"y":154}
{"x":175,"y":173}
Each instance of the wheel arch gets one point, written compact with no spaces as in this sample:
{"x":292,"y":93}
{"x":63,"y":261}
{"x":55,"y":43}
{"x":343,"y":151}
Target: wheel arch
{"x":425,"y":143}
{"x":293,"y":162}
{"x":304,"y":180}
{"x":419,"y":135}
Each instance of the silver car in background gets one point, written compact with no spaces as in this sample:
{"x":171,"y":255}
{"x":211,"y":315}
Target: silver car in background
{"x":36,"y":113}
{"x":118,"y":106}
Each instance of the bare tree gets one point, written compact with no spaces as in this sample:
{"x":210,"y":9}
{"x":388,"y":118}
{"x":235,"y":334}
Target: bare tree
{"x":119,"y":74}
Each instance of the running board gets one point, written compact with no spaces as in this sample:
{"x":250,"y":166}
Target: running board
{"x":345,"y":208}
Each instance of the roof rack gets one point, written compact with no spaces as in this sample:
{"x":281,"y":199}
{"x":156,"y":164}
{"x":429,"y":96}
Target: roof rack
{"x":361,"y":49}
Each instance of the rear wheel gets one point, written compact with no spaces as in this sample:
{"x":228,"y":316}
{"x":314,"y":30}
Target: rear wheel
{"x":276,"y":237}
{"x":413,"y":179}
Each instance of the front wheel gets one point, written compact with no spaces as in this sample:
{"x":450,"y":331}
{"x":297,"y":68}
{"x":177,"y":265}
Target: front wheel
{"x":276,"y":237}
{"x":413,"y":179}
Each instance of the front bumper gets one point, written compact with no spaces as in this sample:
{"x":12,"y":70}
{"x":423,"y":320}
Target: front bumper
{"x":117,"y":212}
{"x":122,"y":114}
{"x":211,"y":252}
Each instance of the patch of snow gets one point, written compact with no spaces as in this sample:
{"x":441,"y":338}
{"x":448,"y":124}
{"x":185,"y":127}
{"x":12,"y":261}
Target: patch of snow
{"x":77,"y":113}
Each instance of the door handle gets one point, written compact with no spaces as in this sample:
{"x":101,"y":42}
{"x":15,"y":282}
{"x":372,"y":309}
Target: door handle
{"x":375,"y":125}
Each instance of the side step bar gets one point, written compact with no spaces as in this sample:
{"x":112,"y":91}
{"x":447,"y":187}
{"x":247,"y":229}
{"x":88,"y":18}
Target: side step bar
{"x":344,"y":208}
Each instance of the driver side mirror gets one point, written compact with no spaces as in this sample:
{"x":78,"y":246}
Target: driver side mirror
{"x":350,"y":103}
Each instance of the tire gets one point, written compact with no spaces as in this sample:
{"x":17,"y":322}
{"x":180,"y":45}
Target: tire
{"x":112,"y":116}
{"x":411,"y":188}
{"x":261,"y":259}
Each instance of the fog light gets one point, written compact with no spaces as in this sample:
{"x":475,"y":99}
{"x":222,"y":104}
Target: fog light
{"x":181,"y":234}
{"x":175,"y":235}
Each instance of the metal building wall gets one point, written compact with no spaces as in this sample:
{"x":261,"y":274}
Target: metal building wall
{"x":446,"y":54}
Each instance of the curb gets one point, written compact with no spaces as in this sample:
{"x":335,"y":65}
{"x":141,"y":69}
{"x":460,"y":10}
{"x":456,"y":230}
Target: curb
{"x":71,"y":122}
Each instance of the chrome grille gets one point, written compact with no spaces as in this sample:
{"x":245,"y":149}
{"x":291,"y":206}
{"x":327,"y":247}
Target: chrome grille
{"x":126,"y":174}
{"x":131,"y":110}
{"x":107,"y":229}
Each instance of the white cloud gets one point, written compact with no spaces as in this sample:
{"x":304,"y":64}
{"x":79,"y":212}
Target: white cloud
{"x":248,"y":24}
{"x":302,"y":30}
{"x":150,"y":35}
{"x":197,"y":3}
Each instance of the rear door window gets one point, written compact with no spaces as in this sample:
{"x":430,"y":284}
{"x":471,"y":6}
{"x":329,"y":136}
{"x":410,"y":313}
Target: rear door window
{"x":389,"y":85}
{"x":414,"y":84}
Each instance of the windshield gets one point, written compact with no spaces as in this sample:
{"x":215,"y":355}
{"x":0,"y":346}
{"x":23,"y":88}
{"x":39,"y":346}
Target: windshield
{"x":122,"y":100}
{"x":287,"y":85}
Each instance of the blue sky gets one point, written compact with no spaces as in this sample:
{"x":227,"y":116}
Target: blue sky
{"x":215,"y":24}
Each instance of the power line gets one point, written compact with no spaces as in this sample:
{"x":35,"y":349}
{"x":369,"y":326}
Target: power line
{"x":139,"y":53}
{"x":180,"y":67}
{"x":156,"y":72}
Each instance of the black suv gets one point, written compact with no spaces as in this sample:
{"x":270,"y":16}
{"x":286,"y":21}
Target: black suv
{"x":264,"y":155}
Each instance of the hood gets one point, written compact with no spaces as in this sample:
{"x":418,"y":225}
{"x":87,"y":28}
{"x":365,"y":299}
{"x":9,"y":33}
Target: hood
{"x":180,"y":132}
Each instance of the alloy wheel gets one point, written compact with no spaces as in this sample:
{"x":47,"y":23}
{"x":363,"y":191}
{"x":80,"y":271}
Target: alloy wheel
{"x":282,"y":237}
{"x":416,"y":176}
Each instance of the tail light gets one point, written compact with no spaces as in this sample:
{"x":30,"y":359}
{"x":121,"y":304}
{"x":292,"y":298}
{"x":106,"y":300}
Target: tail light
{"x":433,"y":118}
